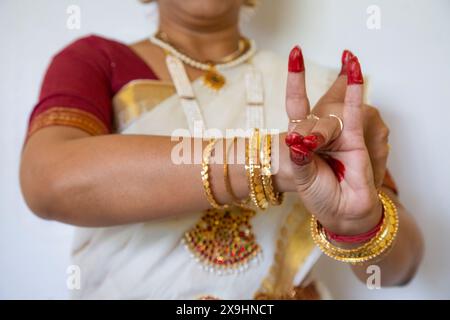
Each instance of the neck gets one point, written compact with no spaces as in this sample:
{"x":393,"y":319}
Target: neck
{"x":202,"y":43}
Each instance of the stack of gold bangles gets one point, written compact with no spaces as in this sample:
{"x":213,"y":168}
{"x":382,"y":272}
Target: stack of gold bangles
{"x":258,"y":167}
{"x":377,"y":246}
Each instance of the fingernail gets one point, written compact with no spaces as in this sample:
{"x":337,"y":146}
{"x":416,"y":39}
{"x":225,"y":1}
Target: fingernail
{"x":296,"y":63}
{"x":354,"y":73}
{"x":300,"y":155}
{"x":313,"y":141}
{"x":346,"y":56}
{"x":293,"y":139}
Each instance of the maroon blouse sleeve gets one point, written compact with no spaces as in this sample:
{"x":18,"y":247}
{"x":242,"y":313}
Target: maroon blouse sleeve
{"x":76,"y":90}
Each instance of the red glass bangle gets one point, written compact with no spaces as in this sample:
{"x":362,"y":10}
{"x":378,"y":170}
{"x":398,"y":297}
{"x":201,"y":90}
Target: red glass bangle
{"x":359,"y":238}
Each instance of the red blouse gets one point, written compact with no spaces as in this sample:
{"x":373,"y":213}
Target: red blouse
{"x":81,"y":81}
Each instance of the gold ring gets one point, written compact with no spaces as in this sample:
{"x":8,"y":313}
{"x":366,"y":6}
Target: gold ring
{"x":310,"y":116}
{"x":341,"y":123}
{"x":389,"y":146}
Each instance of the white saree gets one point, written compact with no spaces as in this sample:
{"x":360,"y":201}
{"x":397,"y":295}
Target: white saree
{"x":148,"y":260}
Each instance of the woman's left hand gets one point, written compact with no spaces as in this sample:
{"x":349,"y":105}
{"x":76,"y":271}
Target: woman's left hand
{"x":332,"y":167}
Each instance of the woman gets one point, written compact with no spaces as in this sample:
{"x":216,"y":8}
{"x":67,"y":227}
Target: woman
{"x":102,"y":154}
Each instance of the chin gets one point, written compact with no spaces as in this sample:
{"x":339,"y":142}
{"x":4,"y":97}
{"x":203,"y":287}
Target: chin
{"x":207,"y":9}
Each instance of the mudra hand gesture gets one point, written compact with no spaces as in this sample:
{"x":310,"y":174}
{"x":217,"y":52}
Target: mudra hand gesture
{"x":330,"y":161}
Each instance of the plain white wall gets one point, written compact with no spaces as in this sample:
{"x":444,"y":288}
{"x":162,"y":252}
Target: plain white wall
{"x":410,"y":75}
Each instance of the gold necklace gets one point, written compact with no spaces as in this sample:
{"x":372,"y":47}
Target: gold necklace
{"x":212,"y":78}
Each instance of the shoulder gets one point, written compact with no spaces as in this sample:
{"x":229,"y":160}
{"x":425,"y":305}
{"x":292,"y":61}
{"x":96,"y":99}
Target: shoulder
{"x":93,"y":47}
{"x":94,"y":42}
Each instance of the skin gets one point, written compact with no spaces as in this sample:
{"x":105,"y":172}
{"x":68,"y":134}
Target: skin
{"x":115,"y":180}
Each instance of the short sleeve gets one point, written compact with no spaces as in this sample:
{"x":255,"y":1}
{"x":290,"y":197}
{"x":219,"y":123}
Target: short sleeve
{"x":76,"y":90}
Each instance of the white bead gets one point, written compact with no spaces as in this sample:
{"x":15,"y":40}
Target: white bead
{"x":204,"y":66}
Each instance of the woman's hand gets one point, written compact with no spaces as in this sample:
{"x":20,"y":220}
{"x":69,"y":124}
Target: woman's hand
{"x":332,"y":168}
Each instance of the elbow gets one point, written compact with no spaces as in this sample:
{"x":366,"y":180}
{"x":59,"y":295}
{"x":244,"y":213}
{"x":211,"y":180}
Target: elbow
{"x":42,"y":192}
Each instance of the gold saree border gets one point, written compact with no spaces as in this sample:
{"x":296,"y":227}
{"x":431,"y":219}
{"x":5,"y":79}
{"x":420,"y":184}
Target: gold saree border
{"x":138,"y":97}
{"x":294,"y":245}
{"x":68,"y":116}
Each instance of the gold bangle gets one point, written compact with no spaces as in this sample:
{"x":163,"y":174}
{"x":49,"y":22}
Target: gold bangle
{"x":253,"y":169}
{"x":377,"y":246}
{"x":236,"y":201}
{"x":205,"y":177}
{"x":275,"y":198}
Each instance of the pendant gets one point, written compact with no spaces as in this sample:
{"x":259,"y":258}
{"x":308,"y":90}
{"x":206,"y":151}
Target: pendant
{"x":223,"y":240}
{"x":213,"y":79}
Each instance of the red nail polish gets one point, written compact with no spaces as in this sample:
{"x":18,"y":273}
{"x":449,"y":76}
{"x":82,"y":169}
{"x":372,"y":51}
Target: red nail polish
{"x":313,"y":141}
{"x":337,"y":167}
{"x":346,"y":56}
{"x":296,"y":63}
{"x":293,"y":138}
{"x":354,"y":73}
{"x":300,"y":155}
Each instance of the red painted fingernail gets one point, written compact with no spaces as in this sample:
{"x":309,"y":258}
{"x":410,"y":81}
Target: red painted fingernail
{"x":354,"y":73}
{"x":346,"y":56}
{"x":300,"y":155}
{"x":313,"y":141}
{"x":296,"y":63}
{"x":293,"y":138}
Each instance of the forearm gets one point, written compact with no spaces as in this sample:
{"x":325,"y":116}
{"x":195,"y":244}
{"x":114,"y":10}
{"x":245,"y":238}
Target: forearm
{"x":114,"y":179}
{"x":401,"y":263}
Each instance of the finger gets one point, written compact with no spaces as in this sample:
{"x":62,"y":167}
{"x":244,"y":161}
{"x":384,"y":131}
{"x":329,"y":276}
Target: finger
{"x":353,"y":102}
{"x":298,"y":131}
{"x":336,"y":93}
{"x":304,"y":168}
{"x":300,"y":154}
{"x":325,"y":131}
{"x":297,"y":104}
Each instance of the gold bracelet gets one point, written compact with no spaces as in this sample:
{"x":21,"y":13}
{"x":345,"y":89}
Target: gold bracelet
{"x":236,"y":201}
{"x":205,"y":177}
{"x":275,"y":198}
{"x":374,"y":248}
{"x":253,"y":169}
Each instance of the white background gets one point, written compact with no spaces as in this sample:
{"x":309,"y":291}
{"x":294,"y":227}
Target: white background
{"x":407,"y":60}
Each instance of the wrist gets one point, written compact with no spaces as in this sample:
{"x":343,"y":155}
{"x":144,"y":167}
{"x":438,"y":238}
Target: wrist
{"x":359,"y":226}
